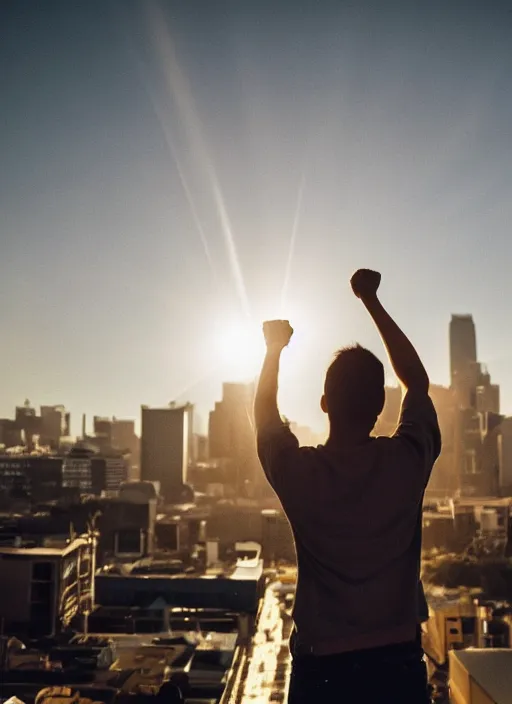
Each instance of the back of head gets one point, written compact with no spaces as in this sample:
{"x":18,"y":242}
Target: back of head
{"x":354,"y":388}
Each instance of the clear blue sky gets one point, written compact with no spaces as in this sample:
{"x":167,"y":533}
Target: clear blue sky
{"x":396,"y":118}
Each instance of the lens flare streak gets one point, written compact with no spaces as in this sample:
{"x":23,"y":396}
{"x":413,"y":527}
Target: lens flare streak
{"x":186,"y":188}
{"x":181,"y":94}
{"x":293,"y":239}
{"x":164,"y":126}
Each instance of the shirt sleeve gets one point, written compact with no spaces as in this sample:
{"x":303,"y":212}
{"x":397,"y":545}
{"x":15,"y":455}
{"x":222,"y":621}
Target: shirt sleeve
{"x":278,"y":449}
{"x":418,"y":431}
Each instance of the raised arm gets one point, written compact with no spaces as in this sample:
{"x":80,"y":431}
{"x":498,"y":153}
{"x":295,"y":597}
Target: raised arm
{"x":277,"y":336}
{"x":403,"y":357}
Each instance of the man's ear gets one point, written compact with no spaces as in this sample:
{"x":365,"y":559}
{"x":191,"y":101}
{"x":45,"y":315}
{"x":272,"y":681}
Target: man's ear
{"x":323,"y":403}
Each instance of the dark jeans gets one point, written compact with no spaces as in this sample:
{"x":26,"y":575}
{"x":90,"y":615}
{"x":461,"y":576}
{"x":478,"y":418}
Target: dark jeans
{"x":394,"y":674}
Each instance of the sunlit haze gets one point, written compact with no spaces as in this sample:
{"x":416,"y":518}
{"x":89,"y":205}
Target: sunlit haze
{"x":174,"y":173}
{"x":241,"y":351}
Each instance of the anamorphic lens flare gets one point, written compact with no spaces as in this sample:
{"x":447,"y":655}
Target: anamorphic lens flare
{"x":181,"y":95}
{"x":291,"y":246}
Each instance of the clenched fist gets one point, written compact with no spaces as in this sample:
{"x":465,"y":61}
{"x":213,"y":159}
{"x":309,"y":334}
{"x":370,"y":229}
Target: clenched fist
{"x":365,"y":283}
{"x":277,"y":333}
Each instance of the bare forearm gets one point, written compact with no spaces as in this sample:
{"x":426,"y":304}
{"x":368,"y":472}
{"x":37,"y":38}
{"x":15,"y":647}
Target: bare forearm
{"x":403,"y":357}
{"x":265,"y":404}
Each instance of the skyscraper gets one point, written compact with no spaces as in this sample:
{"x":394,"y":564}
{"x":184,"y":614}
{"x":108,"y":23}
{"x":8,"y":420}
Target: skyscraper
{"x":118,"y":434}
{"x":164,"y":448}
{"x":54,"y":425}
{"x":28,"y":422}
{"x":478,"y":412}
{"x":464,"y":369}
{"x":231,"y":434}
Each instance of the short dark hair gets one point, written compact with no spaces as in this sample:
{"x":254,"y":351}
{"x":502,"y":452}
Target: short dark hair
{"x":354,"y":387}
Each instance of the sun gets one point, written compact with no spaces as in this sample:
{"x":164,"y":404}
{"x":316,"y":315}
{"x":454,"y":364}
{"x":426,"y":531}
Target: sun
{"x":240,"y":349}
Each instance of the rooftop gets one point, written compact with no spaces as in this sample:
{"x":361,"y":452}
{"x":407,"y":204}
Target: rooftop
{"x":122,"y":663}
{"x":490,"y":668}
{"x":486,"y":501}
{"x":44,"y":552}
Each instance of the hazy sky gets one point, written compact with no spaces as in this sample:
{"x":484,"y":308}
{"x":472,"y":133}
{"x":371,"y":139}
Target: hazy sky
{"x":134,"y":133}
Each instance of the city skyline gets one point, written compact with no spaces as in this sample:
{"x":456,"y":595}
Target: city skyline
{"x":463,"y":351}
{"x":168,"y":181}
{"x":85,"y":420}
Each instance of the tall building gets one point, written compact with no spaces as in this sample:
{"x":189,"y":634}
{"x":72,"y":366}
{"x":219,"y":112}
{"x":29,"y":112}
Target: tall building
{"x":10,"y":433}
{"x":124,"y":438}
{"x":464,"y":369}
{"x":123,"y":435}
{"x":27,"y":422}
{"x":116,"y":434}
{"x":478,"y":419}
{"x":25,"y":414}
{"x":462,"y":344}
{"x":54,"y":425}
{"x":231,"y":435}
{"x":47,"y":429}
{"x":102,"y":429}
{"x":164,"y":448}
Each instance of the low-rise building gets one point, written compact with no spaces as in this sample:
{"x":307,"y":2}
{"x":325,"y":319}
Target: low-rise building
{"x":43,"y":588}
{"x":126,"y":530}
{"x":89,"y":471}
{"x":481,"y":676}
{"x":29,"y":477}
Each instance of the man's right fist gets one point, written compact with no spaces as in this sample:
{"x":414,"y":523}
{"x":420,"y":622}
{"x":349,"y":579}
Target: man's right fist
{"x":365,"y":283}
{"x":277,"y":333}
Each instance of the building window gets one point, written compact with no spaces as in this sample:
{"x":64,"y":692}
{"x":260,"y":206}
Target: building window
{"x":129,"y":542}
{"x":77,"y":473}
{"x":42,"y":571}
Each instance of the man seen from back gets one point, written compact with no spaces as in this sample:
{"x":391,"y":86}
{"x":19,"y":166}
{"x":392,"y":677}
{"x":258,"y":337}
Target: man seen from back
{"x":355,"y":508}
